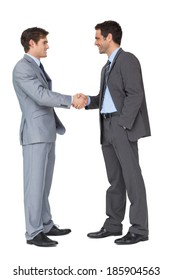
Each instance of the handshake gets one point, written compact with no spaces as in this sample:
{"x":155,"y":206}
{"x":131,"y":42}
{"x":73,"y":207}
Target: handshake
{"x":79,"y":101}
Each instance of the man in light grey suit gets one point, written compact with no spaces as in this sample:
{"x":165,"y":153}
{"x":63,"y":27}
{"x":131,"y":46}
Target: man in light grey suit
{"x":38,"y":129}
{"x":123,"y":120}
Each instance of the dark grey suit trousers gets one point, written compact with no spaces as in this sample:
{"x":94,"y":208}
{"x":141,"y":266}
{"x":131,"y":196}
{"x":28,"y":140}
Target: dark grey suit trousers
{"x":125,"y":178}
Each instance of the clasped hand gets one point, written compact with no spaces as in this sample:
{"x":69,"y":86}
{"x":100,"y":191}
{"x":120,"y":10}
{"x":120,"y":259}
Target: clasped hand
{"x":79,"y":101}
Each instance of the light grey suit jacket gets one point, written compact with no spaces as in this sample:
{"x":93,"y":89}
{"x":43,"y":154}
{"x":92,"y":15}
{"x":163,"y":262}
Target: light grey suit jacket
{"x":127,"y":91}
{"x":37,"y":101}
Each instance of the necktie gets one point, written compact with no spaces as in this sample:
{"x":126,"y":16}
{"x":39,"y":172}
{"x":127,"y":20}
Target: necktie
{"x":42,"y":69}
{"x":107,"y":66}
{"x":44,"y":73}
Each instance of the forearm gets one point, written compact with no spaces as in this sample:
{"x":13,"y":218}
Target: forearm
{"x":94,"y":102}
{"x":41,"y":95}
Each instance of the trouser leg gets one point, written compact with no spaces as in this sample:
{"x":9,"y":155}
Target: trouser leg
{"x":46,"y":212}
{"x":116,"y":193}
{"x":127,"y":155}
{"x":36,"y":164}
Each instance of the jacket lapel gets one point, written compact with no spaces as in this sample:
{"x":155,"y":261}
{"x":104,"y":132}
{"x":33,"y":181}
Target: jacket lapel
{"x":114,"y":61}
{"x":38,"y":72}
{"x":112,"y":65}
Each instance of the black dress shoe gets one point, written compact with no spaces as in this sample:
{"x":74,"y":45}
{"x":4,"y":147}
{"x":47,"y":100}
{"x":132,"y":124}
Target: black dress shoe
{"x":103,"y":233}
{"x":42,"y":240}
{"x":131,"y":238}
{"x":54,"y":231}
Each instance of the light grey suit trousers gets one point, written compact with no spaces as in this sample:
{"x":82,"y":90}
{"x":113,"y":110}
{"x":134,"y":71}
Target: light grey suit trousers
{"x":38,"y":160}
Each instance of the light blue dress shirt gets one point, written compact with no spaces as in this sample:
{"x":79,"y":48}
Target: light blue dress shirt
{"x":108,"y":105}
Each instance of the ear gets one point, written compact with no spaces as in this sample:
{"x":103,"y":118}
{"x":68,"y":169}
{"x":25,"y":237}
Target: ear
{"x":109,"y":37}
{"x":32,"y":43}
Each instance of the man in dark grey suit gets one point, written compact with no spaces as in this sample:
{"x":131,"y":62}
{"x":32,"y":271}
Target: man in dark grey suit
{"x":123,"y":120}
{"x":38,"y":129}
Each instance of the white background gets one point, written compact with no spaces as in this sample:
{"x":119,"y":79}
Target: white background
{"x":79,"y":186}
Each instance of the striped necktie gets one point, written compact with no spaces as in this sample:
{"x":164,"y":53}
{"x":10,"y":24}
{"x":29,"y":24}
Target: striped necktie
{"x":107,"y":67}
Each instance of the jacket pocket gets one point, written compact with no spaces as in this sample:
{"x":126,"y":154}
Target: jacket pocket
{"x":40,"y":113}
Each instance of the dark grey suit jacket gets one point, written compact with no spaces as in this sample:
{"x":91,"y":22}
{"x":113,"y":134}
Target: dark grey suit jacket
{"x":126,"y":88}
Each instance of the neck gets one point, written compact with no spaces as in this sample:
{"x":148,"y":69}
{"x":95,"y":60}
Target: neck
{"x":112,"y":49}
{"x":31,"y":53}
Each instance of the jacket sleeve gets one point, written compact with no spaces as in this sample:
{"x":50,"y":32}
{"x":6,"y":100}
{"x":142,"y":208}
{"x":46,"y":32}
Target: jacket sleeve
{"x":94,"y":102}
{"x":134,"y":90}
{"x":26,"y":81}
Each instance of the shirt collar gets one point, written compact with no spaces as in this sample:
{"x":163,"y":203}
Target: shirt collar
{"x":34,"y":58}
{"x":112,"y":56}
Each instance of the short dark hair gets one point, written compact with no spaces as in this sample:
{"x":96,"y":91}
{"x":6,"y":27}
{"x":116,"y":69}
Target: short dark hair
{"x":112,"y":27}
{"x":34,"y":34}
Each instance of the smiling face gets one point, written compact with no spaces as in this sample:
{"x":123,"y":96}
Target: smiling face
{"x":101,"y":42}
{"x":39,"y":49}
{"x":105,"y":44}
